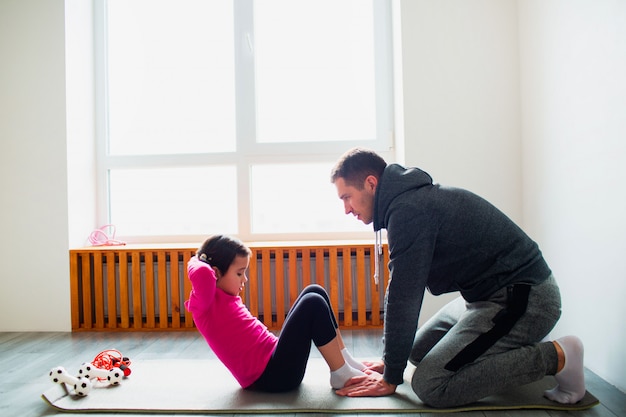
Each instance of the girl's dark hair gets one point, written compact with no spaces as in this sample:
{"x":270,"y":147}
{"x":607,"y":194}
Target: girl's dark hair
{"x":357,"y":164}
{"x":220,"y":251}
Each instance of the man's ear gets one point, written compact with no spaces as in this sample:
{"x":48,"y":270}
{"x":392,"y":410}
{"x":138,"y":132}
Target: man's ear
{"x":371,"y":182}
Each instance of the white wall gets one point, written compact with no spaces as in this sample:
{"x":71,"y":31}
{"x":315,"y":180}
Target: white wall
{"x":81,"y":148}
{"x":461,"y":96}
{"x":573,"y":56}
{"x":461,"y":101}
{"x":34,"y":284}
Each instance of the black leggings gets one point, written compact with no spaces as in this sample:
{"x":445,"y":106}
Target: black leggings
{"x":311,"y":318}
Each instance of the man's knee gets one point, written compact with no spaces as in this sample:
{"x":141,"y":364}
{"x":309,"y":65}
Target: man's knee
{"x":427,"y":393}
{"x":432,"y":390}
{"x":434,"y":397}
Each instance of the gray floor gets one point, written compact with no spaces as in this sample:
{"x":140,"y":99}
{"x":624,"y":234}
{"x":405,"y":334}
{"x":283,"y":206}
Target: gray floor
{"x":26,"y":358}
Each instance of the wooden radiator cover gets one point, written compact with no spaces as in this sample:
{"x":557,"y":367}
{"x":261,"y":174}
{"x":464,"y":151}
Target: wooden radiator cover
{"x":143,"y":287}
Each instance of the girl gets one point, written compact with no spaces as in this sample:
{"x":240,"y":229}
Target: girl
{"x":258,"y":359}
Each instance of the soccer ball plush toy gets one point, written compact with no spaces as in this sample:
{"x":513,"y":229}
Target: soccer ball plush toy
{"x":81,"y":385}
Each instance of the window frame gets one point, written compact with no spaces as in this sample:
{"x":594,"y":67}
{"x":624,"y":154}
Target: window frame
{"x":248,"y":151}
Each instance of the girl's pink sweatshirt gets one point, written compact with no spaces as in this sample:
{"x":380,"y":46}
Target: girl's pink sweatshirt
{"x":240,"y":340}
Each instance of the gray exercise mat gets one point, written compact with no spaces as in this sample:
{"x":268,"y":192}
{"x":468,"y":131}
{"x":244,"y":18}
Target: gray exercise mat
{"x":206,"y":387}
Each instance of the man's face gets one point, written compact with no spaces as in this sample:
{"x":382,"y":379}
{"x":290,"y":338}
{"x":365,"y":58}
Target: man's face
{"x":358,"y":202}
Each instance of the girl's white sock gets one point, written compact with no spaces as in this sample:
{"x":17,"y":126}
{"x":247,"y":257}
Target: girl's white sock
{"x":339,"y":377}
{"x":351,"y":361}
{"x":571,"y":378}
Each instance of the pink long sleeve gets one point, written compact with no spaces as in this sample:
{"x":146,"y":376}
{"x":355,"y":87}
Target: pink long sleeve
{"x":238,"y":339}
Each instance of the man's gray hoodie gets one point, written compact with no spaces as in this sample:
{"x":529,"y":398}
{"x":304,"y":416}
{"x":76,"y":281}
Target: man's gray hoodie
{"x":444,"y":239}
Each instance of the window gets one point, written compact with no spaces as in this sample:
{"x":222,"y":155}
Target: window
{"x":226,"y":116}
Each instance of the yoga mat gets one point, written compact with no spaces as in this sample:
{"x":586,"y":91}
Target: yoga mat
{"x":206,"y":386}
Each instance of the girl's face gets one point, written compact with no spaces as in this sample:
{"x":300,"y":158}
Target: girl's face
{"x":233,"y":281}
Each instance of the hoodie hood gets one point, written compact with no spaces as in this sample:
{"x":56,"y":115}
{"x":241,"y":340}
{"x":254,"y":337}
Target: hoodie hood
{"x":396,"y":180}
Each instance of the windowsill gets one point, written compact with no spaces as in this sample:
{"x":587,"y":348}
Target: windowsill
{"x":260,"y":244}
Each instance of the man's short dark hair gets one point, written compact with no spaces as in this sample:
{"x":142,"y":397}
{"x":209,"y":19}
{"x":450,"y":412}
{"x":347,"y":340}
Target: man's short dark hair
{"x":357,"y":164}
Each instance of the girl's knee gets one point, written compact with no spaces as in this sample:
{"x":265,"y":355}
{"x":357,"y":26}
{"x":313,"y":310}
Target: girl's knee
{"x":317,"y":290}
{"x":313,"y":301}
{"x":314,"y":288}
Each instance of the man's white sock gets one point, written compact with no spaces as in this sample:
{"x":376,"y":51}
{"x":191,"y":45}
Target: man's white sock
{"x":571,"y":379}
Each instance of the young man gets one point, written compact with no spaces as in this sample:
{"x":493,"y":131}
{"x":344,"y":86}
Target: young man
{"x":448,"y":239}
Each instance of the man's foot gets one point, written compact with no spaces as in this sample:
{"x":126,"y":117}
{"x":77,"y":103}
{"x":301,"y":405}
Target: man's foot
{"x":571,"y":379}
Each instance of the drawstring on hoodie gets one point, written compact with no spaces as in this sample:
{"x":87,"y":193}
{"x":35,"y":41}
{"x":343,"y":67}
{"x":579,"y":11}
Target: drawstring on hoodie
{"x":378,"y":251}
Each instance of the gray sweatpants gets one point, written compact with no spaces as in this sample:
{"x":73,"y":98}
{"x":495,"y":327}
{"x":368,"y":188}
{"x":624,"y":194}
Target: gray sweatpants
{"x":515,"y":359}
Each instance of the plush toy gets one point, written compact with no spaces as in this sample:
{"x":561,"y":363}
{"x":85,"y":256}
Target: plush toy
{"x":113,"y":376}
{"x":81,"y":385}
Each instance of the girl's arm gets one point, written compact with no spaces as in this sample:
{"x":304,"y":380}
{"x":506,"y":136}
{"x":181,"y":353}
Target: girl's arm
{"x":203,"y":281}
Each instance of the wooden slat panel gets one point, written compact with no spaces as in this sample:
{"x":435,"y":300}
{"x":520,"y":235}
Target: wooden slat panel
{"x":124,"y":291}
{"x":266,"y":279}
{"x":280,"y":287}
{"x":111,"y":294}
{"x":74,"y":295}
{"x":149,"y":290}
{"x":187,"y":287}
{"x":137,"y":298}
{"x":361,"y":283}
{"x":374,"y":289}
{"x":86,"y":293}
{"x":162,"y":289}
{"x":175,"y":289}
{"x":293,"y":275}
{"x":135,"y":279}
{"x":347,"y":286}
{"x":306,"y":268}
{"x":253,"y":303}
{"x":333,"y":279}
{"x":319,"y":267}
{"x":98,"y":287}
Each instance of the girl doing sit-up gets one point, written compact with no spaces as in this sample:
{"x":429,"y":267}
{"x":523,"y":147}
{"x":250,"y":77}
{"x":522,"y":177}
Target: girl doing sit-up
{"x":258,"y":359}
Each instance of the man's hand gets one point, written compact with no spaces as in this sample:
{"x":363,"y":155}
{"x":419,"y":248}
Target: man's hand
{"x":370,"y":385}
{"x":376,"y":366}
